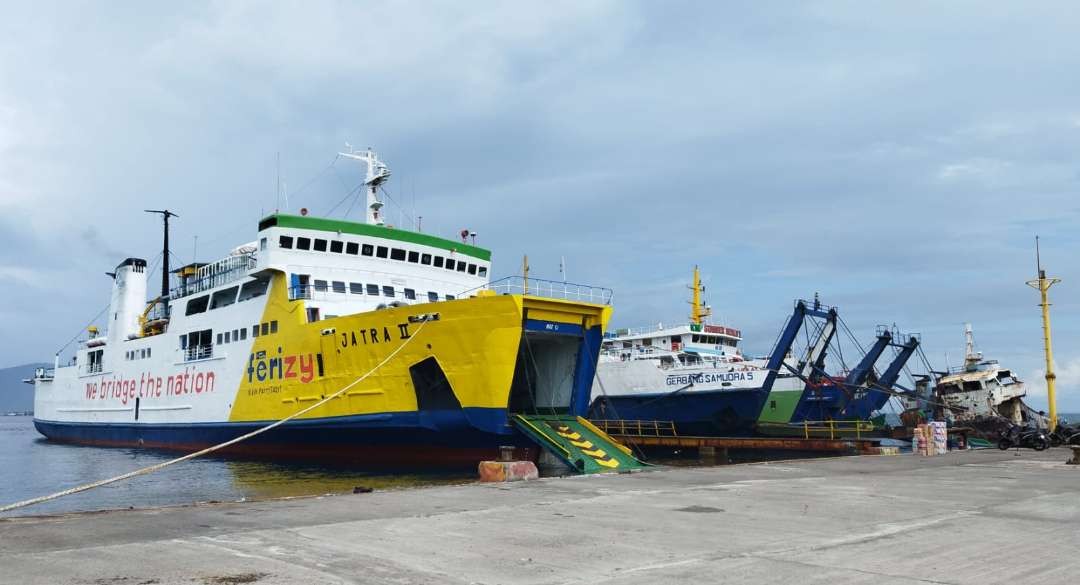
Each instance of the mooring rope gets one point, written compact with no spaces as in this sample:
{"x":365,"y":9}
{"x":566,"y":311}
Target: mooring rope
{"x":259,"y":431}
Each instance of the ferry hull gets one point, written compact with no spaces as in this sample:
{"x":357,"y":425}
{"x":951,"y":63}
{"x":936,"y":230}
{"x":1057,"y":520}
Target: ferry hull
{"x":715,"y":413}
{"x":446,"y":440}
{"x":443,"y":401}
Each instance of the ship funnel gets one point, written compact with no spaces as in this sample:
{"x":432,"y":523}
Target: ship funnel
{"x":128,"y":300}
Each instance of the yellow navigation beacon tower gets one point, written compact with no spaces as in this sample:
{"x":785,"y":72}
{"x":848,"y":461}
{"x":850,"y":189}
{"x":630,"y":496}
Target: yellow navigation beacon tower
{"x":1043,"y":284}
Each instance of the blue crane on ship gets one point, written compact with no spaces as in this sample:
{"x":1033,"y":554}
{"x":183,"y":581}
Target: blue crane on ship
{"x":876,"y":394}
{"x":820,"y":397}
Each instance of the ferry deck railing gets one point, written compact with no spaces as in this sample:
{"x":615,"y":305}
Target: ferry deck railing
{"x":216,"y":274}
{"x":198,"y":352}
{"x":829,"y":428}
{"x":551,"y":289}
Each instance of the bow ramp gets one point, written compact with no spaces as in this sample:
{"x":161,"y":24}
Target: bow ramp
{"x":578,"y":443}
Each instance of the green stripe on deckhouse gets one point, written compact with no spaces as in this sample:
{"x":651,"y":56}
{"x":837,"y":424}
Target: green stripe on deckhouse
{"x":363,"y":229}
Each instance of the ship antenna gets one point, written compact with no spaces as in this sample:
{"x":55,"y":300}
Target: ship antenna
{"x":377,"y":174}
{"x":1038,"y":260}
{"x":165,"y":214}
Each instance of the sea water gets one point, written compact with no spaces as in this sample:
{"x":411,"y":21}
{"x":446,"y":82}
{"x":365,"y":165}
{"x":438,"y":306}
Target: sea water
{"x":32,"y":466}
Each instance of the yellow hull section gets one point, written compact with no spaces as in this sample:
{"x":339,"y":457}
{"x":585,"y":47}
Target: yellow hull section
{"x":474,"y":340}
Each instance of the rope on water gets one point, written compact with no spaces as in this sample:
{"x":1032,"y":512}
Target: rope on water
{"x":259,"y":431}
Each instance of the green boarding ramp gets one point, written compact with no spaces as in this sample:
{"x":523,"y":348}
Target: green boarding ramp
{"x":578,"y":443}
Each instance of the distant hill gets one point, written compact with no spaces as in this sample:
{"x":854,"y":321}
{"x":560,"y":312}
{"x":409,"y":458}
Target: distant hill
{"x":14,"y":395}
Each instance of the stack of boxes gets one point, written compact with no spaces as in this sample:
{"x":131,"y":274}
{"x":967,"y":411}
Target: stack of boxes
{"x":930,"y":439}
{"x":939,"y":437}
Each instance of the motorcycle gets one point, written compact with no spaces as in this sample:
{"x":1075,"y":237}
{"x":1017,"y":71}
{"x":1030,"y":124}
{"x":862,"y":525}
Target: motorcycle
{"x":1024,"y":437}
{"x":1067,"y":436}
{"x":1061,"y":436}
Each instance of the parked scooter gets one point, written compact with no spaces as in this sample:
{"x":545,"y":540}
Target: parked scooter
{"x":1065,"y":435}
{"x":1018,"y":436}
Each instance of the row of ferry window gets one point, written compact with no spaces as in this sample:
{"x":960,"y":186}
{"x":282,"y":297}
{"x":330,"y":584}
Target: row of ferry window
{"x":355,"y":248}
{"x":357,"y":288}
{"x":228,"y":296}
{"x":203,"y":337}
{"x":242,"y":334}
{"x":713,"y":339}
{"x":137,"y":354}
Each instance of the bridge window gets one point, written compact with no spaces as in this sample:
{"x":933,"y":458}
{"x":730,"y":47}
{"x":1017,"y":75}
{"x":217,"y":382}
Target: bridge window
{"x":425,"y":259}
{"x":220,"y":337}
{"x":352,"y":248}
{"x":285,"y":242}
{"x":373,"y":289}
{"x":414,"y":257}
{"x":367,"y":250}
{"x":450,"y":297}
{"x":450,"y":264}
{"x":197,"y":305}
{"x":303,"y":243}
{"x":336,"y":246}
{"x":224,"y":298}
{"x":320,"y":245}
{"x":254,"y":288}
{"x":338,"y":286}
{"x":243,"y":333}
{"x":482,"y":271}
{"x":381,"y":252}
{"x":438,"y":262}
{"x":432,"y":296}
{"x":255,"y":330}
{"x":265,"y":327}
{"x":397,"y":254}
{"x":228,"y":336}
{"x":273,"y":327}
{"x":472,"y":268}
{"x":461,"y":266}
{"x":410,"y":294}
{"x":388,"y":291}
{"x":356,"y":288}
{"x":320,"y":285}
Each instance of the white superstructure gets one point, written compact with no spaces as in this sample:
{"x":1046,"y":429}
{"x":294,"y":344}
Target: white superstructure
{"x":981,"y":387}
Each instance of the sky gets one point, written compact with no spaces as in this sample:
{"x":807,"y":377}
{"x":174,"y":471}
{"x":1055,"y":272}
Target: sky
{"x":897,"y":159}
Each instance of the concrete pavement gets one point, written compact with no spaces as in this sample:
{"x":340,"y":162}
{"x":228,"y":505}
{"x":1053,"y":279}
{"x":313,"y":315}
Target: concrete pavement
{"x":976,"y":517}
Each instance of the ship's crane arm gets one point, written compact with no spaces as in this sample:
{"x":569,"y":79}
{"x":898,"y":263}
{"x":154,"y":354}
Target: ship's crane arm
{"x":879,"y":392}
{"x":859,"y":374}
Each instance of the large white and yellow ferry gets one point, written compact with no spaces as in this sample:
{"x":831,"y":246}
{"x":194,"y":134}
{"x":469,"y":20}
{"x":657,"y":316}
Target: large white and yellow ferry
{"x":307,"y":308}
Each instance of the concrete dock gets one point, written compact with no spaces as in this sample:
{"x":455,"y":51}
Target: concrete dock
{"x":973,"y":517}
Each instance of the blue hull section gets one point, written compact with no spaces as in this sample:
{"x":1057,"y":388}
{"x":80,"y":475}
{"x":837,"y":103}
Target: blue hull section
{"x":822,"y":403}
{"x":707,"y":414}
{"x":441,"y":439}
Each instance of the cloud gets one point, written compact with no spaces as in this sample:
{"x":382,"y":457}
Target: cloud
{"x":888,"y":157}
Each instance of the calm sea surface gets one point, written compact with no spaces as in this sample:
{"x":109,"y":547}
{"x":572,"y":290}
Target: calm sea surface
{"x":30,"y":466}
